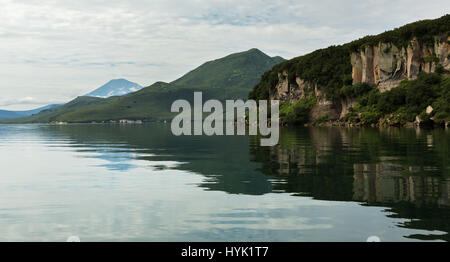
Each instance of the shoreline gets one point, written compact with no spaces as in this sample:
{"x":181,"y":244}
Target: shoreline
{"x":406,"y":125}
{"x":431,"y":125}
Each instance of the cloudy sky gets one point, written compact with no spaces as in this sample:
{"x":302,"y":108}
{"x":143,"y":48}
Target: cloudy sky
{"x":53,"y":50}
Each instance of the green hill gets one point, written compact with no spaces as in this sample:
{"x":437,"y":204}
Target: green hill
{"x":149,"y":104}
{"x":230,"y":77}
{"x":234,"y":73}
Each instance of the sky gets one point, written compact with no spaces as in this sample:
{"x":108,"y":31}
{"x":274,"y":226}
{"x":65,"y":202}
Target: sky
{"x":53,"y":51}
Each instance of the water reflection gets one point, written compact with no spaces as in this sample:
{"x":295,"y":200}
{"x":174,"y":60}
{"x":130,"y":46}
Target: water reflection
{"x":423,"y":199}
{"x":405,"y":172}
{"x":223,"y":160}
{"x":392,"y":183}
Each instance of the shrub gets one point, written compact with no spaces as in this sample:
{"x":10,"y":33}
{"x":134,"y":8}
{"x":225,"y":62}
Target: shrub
{"x":440,"y":70}
{"x":297,"y":113}
{"x":390,"y":101}
{"x":442,"y":105}
{"x":370,"y":117}
{"x":406,"y":101}
{"x":421,"y":92}
{"x":424,"y":117}
{"x":356,"y":90}
{"x":347,"y":79}
{"x":431,"y":58}
{"x":351,"y":116}
{"x":322,"y":119}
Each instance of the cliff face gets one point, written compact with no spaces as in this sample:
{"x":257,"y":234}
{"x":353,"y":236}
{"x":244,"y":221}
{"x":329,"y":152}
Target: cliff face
{"x":385,"y":64}
{"x":292,"y":92}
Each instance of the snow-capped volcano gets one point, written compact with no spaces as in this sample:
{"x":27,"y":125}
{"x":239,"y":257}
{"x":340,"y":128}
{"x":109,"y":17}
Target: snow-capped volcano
{"x":116,"y":87}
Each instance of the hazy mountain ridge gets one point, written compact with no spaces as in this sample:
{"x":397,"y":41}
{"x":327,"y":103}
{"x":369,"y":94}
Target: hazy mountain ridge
{"x":230,"y":77}
{"x":51,"y":114}
{"x":8,"y":114}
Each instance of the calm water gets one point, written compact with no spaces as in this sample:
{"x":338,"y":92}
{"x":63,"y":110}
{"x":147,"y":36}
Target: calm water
{"x":140,"y":183}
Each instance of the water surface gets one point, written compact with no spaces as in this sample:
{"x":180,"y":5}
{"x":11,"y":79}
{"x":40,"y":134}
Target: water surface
{"x":141,"y":183}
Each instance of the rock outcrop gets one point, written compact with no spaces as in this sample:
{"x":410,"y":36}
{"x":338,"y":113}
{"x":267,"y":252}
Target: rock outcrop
{"x":385,"y":64}
{"x":292,"y":92}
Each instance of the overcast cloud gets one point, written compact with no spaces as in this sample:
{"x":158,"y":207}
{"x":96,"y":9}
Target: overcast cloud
{"x":53,"y":51}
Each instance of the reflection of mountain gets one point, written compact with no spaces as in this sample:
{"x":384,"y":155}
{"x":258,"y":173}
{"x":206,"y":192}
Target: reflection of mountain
{"x":402,"y":170}
{"x":223,"y":160}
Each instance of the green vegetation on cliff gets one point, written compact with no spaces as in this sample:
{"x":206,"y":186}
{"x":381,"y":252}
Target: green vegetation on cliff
{"x":424,"y":31}
{"x":297,"y":113}
{"x":403,"y":103}
{"x":354,"y":91}
{"x":330,"y":68}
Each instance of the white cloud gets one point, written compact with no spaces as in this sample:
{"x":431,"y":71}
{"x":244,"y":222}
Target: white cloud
{"x":28,"y":101}
{"x":56,"y":50}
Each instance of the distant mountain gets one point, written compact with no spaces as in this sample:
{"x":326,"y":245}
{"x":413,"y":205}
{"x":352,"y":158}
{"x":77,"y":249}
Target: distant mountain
{"x":230,"y":77}
{"x":116,"y":87}
{"x":51,"y":114}
{"x":6,"y":114}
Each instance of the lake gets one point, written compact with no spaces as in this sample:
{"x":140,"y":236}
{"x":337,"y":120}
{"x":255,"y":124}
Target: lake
{"x":141,"y":183}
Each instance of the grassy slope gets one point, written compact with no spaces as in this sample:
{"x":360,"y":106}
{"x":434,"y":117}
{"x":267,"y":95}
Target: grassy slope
{"x":231,"y":77}
{"x":149,"y":104}
{"x":235,"y":74}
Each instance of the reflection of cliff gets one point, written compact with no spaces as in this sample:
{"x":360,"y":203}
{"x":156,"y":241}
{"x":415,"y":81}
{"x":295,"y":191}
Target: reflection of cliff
{"x":308,"y":156}
{"x":410,"y":179}
{"x":390,"y":183}
{"x":323,"y":163}
{"x":307,"y":162}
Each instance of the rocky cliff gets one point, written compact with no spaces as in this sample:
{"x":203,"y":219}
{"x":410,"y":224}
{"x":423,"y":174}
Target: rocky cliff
{"x":294,"y":91}
{"x":384,"y":65}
